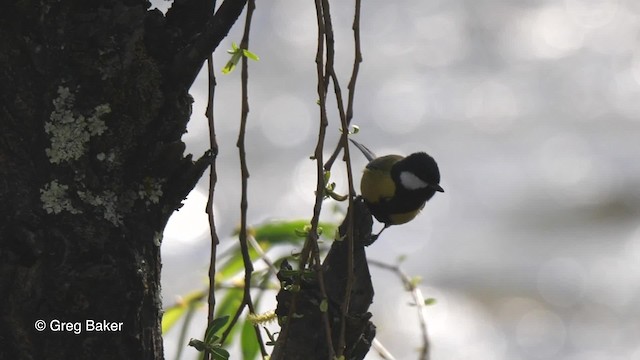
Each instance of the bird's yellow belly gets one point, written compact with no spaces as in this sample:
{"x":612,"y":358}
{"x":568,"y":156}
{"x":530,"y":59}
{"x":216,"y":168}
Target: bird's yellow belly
{"x":402,"y":218}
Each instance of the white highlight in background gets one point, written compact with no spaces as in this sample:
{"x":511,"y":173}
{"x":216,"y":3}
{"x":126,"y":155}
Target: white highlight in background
{"x":187,"y":224}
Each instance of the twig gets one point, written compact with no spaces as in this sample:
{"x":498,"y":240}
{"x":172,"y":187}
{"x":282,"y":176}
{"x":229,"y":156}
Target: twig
{"x":352,"y":82}
{"x":382,"y":351}
{"x":357,"y":59}
{"x":418,"y":298}
{"x":213,"y":179}
{"x":310,"y":253}
{"x":345,"y":118}
{"x":188,"y":62}
{"x":254,"y":243}
{"x":244,"y":249}
{"x":310,"y":249}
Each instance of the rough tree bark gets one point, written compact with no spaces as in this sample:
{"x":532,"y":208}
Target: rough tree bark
{"x":93,"y":103}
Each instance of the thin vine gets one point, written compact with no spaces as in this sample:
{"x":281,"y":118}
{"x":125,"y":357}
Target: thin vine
{"x":243,"y":233}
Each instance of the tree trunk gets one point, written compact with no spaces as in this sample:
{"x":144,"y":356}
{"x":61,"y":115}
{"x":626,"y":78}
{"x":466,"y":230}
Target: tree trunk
{"x":93,"y":103}
{"x":303,"y":335}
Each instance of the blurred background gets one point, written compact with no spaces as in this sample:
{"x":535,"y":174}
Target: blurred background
{"x":532,"y":110}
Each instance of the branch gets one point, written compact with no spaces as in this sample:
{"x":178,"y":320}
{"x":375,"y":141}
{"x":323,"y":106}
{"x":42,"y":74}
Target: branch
{"x":243,"y":235}
{"x":213,"y":179}
{"x":186,"y":18}
{"x":416,"y":294}
{"x":352,"y":84}
{"x":188,"y":62}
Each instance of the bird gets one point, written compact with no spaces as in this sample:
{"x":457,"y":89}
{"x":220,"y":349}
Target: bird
{"x":395,"y":188}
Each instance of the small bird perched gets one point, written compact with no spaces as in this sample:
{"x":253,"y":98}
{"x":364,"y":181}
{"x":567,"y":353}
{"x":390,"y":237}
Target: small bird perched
{"x":396,"y":188}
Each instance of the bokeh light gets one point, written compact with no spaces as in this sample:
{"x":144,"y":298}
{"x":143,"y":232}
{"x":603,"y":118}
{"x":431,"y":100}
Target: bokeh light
{"x":491,"y":106}
{"x":285,"y":121}
{"x":440,"y":39}
{"x":592,"y":13}
{"x":399,"y":106}
{"x":540,"y":334}
{"x":561,"y":281}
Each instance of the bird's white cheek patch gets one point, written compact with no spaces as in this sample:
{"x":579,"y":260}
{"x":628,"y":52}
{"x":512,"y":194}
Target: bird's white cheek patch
{"x":411,"y":182}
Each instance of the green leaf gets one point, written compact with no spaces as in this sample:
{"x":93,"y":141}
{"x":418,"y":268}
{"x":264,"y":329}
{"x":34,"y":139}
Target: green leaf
{"x":171,"y":317}
{"x":248,"y":341}
{"x":228,"y":67}
{"x":268,"y":235}
{"x":327,"y":176}
{"x":217,"y":324}
{"x":250,"y":55}
{"x":228,"y":305}
{"x":219,"y":353}
{"x":430,"y":301}
{"x":174,"y":313}
{"x":283,"y":232}
{"x":197,"y":344}
{"x":216,"y":351}
{"x":231,"y":64}
{"x":414,"y":282}
{"x":236,"y":54}
{"x":235,"y":264}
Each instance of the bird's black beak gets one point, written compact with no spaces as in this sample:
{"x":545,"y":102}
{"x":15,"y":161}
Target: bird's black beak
{"x":436,"y":187}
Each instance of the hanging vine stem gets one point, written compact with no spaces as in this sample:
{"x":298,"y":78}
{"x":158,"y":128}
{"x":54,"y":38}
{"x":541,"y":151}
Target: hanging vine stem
{"x":357,"y":59}
{"x":213,"y":179}
{"x":244,"y":248}
{"x":309,"y":256}
{"x":310,"y":251}
{"x":418,"y":298}
{"x":345,"y":119}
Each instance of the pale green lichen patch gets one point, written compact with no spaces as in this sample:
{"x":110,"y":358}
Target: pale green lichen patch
{"x":69,"y":131}
{"x":150,"y":190}
{"x":55,"y":199}
{"x":107,"y":202}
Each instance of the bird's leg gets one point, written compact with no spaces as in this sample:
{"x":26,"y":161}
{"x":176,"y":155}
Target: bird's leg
{"x":375,"y":236}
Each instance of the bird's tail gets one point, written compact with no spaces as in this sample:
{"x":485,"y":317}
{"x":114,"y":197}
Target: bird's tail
{"x":365,"y":150}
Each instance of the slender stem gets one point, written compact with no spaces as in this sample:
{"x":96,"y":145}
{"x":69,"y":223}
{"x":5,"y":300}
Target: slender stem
{"x":418,"y":298}
{"x":345,"y":118}
{"x":244,"y":175}
{"x":352,"y":82}
{"x":256,"y":246}
{"x":310,"y":251}
{"x":323,"y":83}
{"x":381,"y":350}
{"x":213,"y":179}
{"x":357,"y":59}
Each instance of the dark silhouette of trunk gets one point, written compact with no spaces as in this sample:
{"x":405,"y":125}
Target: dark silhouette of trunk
{"x":93,"y":103}
{"x":303,"y":335}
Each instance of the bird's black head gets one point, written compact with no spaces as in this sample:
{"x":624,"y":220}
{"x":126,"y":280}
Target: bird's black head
{"x":417,"y":172}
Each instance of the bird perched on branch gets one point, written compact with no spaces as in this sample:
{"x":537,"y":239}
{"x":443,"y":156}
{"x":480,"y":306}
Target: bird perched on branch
{"x":395,"y":188}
